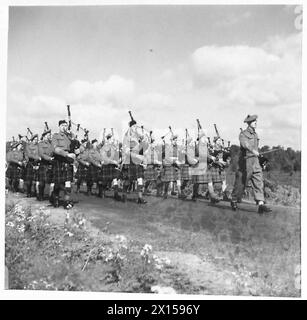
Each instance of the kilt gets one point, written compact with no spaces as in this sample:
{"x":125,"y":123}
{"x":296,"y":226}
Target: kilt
{"x":218,"y":175}
{"x":82,"y":173}
{"x":93,"y":172}
{"x":62,"y":172}
{"x":170,"y":173}
{"x":185,"y":172}
{"x":109,"y":172}
{"x":132,"y":171}
{"x":151,"y":173}
{"x":31,"y":174}
{"x":205,"y":177}
{"x":44,"y":173}
{"x":14,"y":171}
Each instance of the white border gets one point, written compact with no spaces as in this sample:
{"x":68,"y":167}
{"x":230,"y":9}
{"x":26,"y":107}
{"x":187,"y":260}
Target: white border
{"x":44,"y":295}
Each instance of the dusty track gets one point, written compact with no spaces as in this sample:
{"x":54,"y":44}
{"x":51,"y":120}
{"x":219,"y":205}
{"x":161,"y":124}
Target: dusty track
{"x":218,"y":250}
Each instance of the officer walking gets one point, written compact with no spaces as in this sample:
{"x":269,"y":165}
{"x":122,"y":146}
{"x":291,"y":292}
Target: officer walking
{"x":249,"y":167}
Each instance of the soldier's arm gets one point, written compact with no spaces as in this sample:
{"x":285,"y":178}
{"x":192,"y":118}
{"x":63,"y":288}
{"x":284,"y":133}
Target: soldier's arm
{"x":83,"y":159}
{"x":42,"y":154}
{"x":57,"y":149}
{"x":93,"y":160}
{"x":244,"y":142}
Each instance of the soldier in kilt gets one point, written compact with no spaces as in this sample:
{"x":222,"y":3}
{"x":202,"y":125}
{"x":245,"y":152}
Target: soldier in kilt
{"x":82,"y":174}
{"x":95,"y":162}
{"x":110,"y":172}
{"x":134,"y":145}
{"x":218,"y":166}
{"x":171,"y":167}
{"x":14,"y":170}
{"x":153,"y":169}
{"x":62,"y":168}
{"x":45,"y":151}
{"x":200,"y":172}
{"x":31,"y":171}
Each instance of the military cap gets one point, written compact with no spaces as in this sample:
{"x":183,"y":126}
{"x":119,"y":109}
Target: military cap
{"x":62,"y":121}
{"x":94,"y":140}
{"x":109,"y":135}
{"x":131,"y":123}
{"x":250,"y":118}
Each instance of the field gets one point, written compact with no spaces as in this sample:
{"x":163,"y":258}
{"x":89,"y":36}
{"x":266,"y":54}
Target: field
{"x":165,"y":246}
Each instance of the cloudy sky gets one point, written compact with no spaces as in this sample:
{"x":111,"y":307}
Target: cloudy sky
{"x":169,"y":65}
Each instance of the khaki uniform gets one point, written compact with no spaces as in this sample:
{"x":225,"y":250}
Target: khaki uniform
{"x":249,"y":167}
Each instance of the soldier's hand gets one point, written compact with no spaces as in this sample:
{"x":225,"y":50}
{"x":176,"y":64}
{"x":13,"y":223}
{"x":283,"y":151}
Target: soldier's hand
{"x":256,"y":153}
{"x":20,"y":163}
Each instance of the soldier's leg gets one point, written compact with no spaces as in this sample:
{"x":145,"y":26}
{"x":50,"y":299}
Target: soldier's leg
{"x":140,"y":187}
{"x":116,"y":187}
{"x":126,"y":185}
{"x":41,"y":188}
{"x":213,"y":196}
{"x":166,"y":185}
{"x":147,"y":184}
{"x":51,"y":194}
{"x":195,"y":191}
{"x":67,"y":195}
{"x":257,"y":185}
{"x":56,"y":195}
{"x":89,"y":188}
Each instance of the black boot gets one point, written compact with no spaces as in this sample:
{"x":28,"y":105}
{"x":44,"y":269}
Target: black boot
{"x":141,"y":201}
{"x":234,"y":205}
{"x":264,"y":209}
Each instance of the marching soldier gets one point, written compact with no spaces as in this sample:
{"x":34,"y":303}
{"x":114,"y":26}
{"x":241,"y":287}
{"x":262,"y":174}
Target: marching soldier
{"x":45,"y":151}
{"x":153,"y":168}
{"x":134,"y":145}
{"x":218,"y":164}
{"x":110,"y":172}
{"x":171,"y":167}
{"x":94,"y":159}
{"x":62,"y":165}
{"x":200,"y":172}
{"x":31,"y":171}
{"x":82,"y":174}
{"x":249,"y":167}
{"x":14,"y":171}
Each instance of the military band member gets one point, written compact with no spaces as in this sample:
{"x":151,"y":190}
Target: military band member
{"x":133,"y":160}
{"x":110,"y":172}
{"x":62,"y":165}
{"x":31,"y":171}
{"x":249,"y":169}
{"x":153,"y":168}
{"x":218,"y":165}
{"x":14,"y":158}
{"x":45,"y":152}
{"x":82,"y":174}
{"x":171,"y":167}
{"x":94,"y":159}
{"x":200,"y":172}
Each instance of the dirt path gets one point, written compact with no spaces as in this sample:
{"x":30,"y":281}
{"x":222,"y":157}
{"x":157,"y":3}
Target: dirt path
{"x":219,"y":251}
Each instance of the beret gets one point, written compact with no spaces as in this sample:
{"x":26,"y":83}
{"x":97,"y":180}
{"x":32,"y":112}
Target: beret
{"x":62,"y":121}
{"x":251,"y":118}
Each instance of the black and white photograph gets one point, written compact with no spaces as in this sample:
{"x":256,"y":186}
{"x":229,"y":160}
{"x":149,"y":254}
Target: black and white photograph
{"x":154,"y":149}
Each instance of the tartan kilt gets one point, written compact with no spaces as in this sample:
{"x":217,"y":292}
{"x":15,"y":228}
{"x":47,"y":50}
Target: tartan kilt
{"x":151,"y":173}
{"x":132,"y":171}
{"x":202,"y":178}
{"x":185,"y":172}
{"x":93,"y":172}
{"x":44,"y":173}
{"x":170,"y":173}
{"x":82,"y":173}
{"x":14,"y":171}
{"x":218,"y":175}
{"x":109,"y":172}
{"x":62,"y":172}
{"x":31,"y":174}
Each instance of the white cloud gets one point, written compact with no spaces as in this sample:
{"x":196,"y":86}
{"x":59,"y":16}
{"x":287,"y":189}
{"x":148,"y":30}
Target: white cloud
{"x":116,"y":91}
